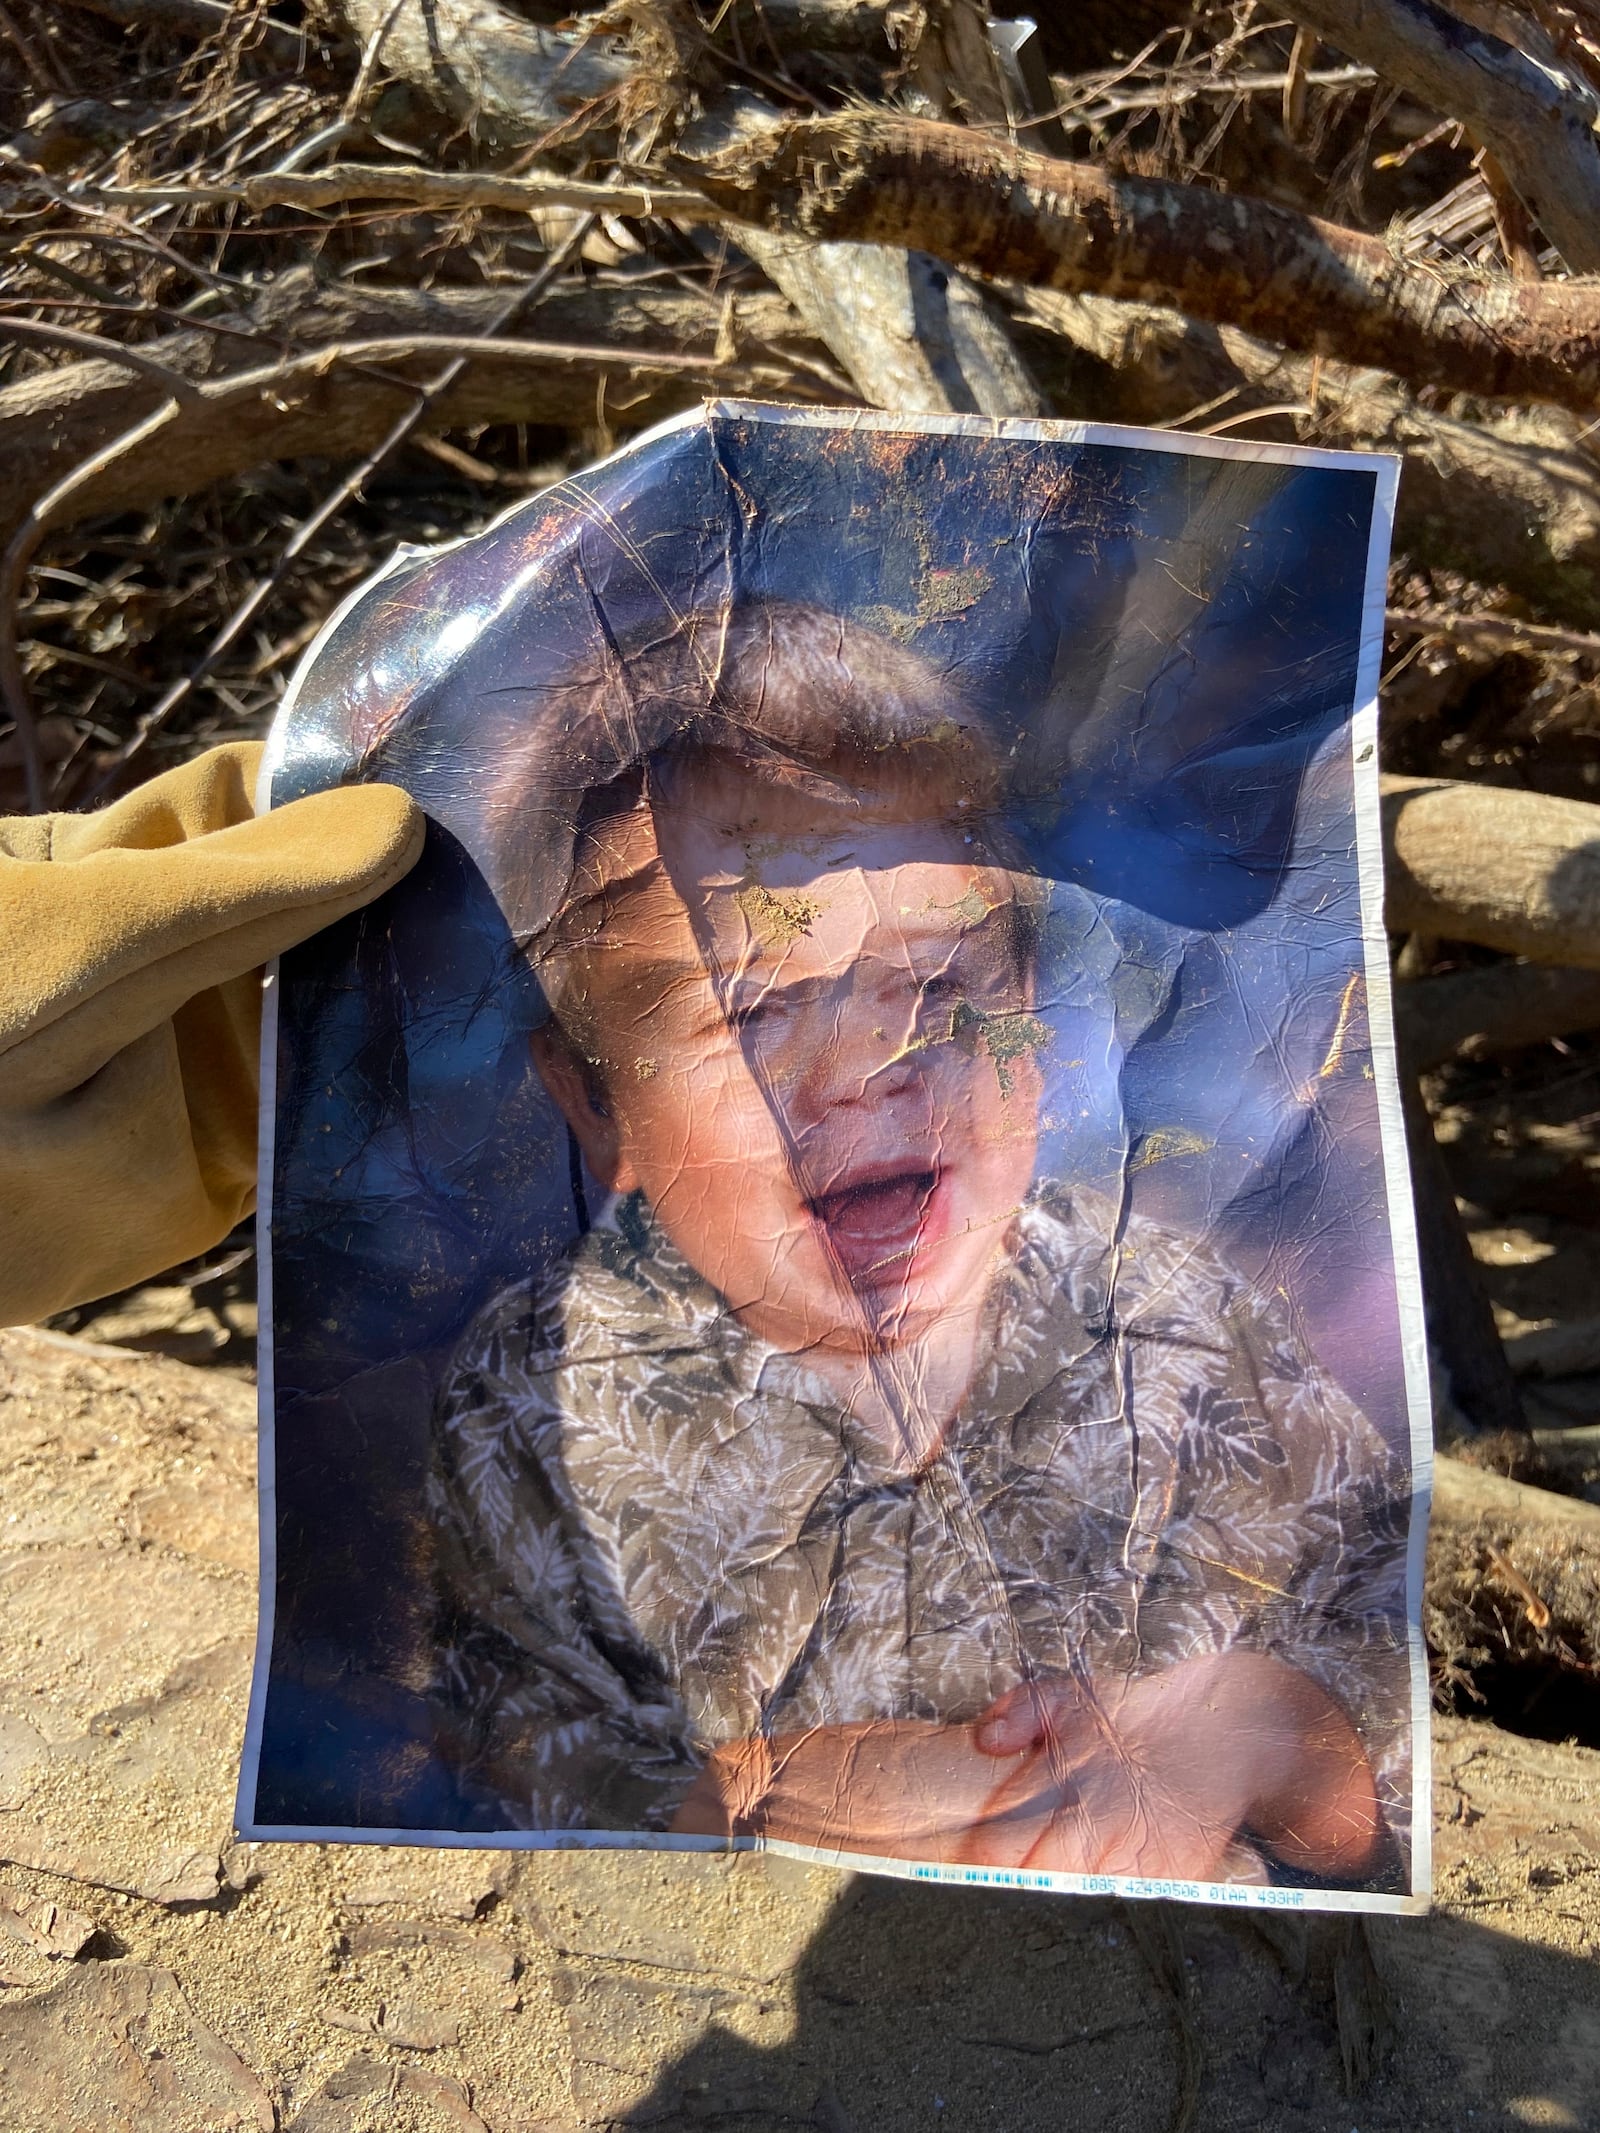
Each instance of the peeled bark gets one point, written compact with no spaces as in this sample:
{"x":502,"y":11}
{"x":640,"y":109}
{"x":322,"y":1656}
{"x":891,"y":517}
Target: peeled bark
{"x":914,"y":337}
{"x":1517,"y":871}
{"x":1292,"y":278}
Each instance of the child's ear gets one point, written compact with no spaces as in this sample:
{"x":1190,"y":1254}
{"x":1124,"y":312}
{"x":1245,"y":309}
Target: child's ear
{"x":575,"y":1092}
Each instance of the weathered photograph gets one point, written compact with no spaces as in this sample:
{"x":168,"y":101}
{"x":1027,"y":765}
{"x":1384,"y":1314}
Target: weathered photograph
{"x":840,"y":1269}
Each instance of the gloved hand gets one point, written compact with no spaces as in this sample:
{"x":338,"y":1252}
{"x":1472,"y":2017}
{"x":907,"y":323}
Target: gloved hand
{"x":131,"y":945}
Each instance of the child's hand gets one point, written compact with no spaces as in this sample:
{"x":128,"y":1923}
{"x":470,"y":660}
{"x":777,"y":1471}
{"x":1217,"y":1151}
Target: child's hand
{"x":1164,"y":1775}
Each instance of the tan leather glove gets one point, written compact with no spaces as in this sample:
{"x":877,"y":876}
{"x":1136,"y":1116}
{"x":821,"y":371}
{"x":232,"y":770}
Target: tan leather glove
{"x":131,"y":945}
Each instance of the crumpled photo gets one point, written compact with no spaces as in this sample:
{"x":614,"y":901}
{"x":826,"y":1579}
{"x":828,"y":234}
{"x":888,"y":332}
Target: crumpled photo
{"x":841,"y":1270}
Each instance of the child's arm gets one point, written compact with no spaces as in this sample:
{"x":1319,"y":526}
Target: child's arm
{"x":1186,"y":1761}
{"x":130,"y":1010}
{"x":1160,"y":1777}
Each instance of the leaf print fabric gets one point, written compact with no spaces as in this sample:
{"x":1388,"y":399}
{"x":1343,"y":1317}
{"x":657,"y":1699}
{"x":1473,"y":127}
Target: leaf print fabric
{"x":662,"y":1536}
{"x":837,"y":1272}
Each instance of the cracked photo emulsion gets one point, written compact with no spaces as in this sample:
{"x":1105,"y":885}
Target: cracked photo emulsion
{"x":841,"y":1269}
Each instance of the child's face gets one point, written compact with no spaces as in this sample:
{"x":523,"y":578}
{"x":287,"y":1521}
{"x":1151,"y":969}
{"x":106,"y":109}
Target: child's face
{"x":819,"y":1054}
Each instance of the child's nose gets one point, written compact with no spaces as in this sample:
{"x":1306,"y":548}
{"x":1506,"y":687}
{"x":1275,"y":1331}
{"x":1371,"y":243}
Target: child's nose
{"x":868,"y":1056}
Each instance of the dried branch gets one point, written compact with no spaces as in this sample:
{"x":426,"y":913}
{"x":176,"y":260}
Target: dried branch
{"x":835,"y":25}
{"x":499,"y":76}
{"x":406,"y":424}
{"x":1292,"y":278}
{"x":203,"y":19}
{"x":913,"y":336}
{"x":1505,"y":633}
{"x":92,"y":344}
{"x":1517,"y":871}
{"x":19,"y":551}
{"x":1538,"y":122}
{"x":235,"y":400}
{"x":57,"y":418}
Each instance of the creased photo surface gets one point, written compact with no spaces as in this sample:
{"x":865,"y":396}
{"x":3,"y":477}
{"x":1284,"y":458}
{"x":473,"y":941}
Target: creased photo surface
{"x":841,"y":1275}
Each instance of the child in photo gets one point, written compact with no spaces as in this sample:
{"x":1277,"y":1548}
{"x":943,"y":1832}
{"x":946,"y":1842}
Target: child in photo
{"x":848,"y":1482}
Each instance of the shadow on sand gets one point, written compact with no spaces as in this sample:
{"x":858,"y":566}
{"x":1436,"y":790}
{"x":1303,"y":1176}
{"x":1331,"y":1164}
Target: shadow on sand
{"x":963,"y":2010}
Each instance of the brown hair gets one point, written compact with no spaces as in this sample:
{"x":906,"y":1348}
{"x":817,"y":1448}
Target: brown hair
{"x":790,"y":693}
{"x":789,"y":696}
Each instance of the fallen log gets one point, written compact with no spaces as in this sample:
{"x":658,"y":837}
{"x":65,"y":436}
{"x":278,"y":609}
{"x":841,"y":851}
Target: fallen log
{"x":59,"y":419}
{"x":1498,"y":1009}
{"x":509,"y":81}
{"x":1521,"y":514}
{"x":1572,"y":1456}
{"x":1517,"y":871}
{"x":1565,"y":1351}
{"x":1293,"y":278}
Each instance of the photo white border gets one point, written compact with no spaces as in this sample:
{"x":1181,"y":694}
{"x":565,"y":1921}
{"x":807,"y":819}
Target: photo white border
{"x":1384,"y":468}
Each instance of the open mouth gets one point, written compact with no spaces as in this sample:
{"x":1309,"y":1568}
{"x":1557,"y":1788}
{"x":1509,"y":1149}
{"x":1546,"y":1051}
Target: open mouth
{"x":876,"y":1222}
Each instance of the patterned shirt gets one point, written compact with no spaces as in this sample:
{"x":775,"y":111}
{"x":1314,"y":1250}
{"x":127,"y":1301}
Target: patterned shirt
{"x":658,"y":1534}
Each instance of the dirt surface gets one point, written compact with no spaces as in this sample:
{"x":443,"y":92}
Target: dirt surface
{"x":158,"y":1977}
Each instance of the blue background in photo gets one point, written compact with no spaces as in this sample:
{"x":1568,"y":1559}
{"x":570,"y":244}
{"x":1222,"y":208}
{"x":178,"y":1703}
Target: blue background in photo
{"x":1180,"y":773}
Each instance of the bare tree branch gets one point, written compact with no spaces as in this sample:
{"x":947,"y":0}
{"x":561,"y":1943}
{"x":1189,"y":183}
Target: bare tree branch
{"x":506,"y":314}
{"x":1504,"y":633}
{"x":1539,"y":123}
{"x":445,"y":192}
{"x":501,"y":77}
{"x":52,"y":421}
{"x":92,"y":344}
{"x":1292,"y":278}
{"x":1494,"y":1010}
{"x":258,"y":400}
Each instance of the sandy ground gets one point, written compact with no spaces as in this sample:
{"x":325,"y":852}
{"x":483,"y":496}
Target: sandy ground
{"x":158,"y":1977}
